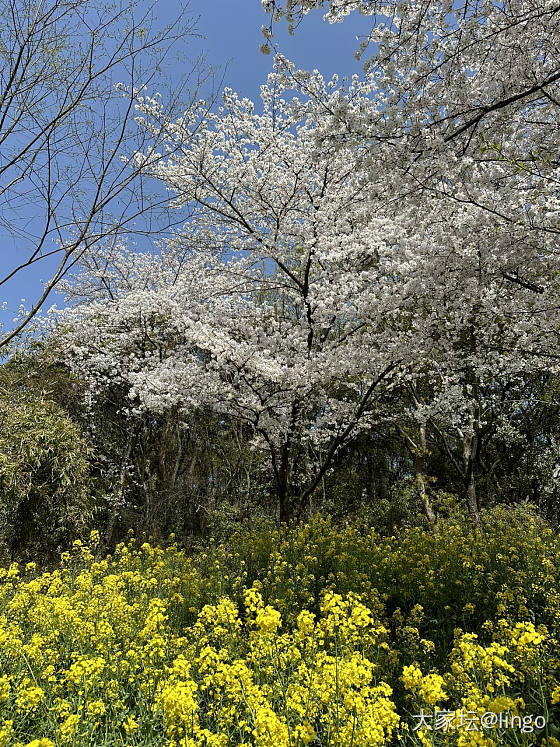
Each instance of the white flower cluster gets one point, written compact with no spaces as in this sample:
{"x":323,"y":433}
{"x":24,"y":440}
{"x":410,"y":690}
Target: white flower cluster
{"x":359,"y":237}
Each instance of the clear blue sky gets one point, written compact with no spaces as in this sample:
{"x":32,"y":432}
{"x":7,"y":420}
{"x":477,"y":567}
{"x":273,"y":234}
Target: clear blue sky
{"x":232,"y":36}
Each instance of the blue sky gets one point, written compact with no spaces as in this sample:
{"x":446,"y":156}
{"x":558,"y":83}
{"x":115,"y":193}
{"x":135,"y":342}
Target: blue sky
{"x":232,"y":36}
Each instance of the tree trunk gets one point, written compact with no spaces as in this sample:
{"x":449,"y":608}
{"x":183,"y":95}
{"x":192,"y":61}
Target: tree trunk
{"x":285,"y":503}
{"x":285,"y":512}
{"x":472,"y":503}
{"x":420,"y":475}
{"x":470,"y":445}
{"x":121,"y":485}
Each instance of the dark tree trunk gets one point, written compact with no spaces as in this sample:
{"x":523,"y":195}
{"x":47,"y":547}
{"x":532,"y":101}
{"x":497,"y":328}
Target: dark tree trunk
{"x":285,"y":502}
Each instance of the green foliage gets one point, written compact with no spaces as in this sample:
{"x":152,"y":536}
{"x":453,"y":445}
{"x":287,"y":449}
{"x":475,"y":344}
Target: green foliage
{"x":43,"y":476}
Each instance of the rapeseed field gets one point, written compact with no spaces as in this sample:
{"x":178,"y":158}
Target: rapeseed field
{"x":310,"y":635}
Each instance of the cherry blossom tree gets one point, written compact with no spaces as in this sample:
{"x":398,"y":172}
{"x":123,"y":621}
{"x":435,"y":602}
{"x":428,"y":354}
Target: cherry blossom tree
{"x":459,"y":107}
{"x":478,"y":336}
{"x":337,"y":243}
{"x":273,"y":304}
{"x":460,"y":101}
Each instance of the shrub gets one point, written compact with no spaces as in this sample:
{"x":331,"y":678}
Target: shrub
{"x":43,"y":477}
